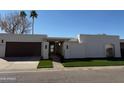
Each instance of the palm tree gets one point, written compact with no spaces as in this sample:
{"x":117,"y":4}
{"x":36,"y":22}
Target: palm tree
{"x":23,"y":14}
{"x":33,"y":15}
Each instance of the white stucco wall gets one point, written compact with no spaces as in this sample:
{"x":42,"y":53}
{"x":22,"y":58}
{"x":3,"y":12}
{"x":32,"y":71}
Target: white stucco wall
{"x":91,"y":46}
{"x":75,"y":50}
{"x":87,"y":46}
{"x":95,"y":44}
{"x":45,"y":50}
{"x":2,"y":48}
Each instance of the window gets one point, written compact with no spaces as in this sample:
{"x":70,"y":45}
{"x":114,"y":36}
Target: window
{"x":51,"y":48}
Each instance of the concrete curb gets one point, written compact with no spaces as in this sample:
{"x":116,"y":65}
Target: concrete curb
{"x":63,"y":69}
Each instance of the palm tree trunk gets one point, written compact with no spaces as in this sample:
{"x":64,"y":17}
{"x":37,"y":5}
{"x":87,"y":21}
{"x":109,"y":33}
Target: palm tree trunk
{"x":33,"y":26}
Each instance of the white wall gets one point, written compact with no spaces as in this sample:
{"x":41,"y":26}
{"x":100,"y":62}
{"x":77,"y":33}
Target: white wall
{"x":95,"y":44}
{"x":91,"y":46}
{"x":88,"y":45}
{"x":45,"y":51}
{"x":75,"y":50}
{"x":2,"y":48}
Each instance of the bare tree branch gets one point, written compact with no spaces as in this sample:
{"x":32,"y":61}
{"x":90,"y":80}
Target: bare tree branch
{"x":15,"y":24}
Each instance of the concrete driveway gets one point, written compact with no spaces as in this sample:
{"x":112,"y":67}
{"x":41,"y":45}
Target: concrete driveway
{"x":18,"y":65}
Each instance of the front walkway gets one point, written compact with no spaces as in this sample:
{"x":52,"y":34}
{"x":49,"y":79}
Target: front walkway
{"x":57,"y":66}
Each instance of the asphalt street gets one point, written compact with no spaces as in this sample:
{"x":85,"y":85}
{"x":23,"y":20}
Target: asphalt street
{"x":71,"y":76}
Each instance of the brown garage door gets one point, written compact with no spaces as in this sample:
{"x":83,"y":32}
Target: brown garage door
{"x":23,"y":49}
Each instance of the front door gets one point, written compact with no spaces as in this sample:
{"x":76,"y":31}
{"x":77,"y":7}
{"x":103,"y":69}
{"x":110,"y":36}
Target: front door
{"x":55,"y":48}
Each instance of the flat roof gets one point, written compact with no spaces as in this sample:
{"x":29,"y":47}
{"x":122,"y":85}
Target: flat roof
{"x":1,"y":34}
{"x":45,"y":37}
{"x":98,"y":35}
{"x":58,"y":39}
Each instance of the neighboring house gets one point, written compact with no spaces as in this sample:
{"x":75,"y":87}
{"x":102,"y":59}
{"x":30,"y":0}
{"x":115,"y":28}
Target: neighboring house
{"x":84,"y":46}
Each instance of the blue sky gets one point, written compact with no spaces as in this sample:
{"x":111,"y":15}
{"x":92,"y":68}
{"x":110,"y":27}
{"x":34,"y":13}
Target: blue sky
{"x":69,"y":23}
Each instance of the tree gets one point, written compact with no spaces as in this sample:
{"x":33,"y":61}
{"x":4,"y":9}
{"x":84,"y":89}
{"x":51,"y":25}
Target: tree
{"x":23,"y":14}
{"x":33,"y":15}
{"x":24,"y":22}
{"x":15,"y":23}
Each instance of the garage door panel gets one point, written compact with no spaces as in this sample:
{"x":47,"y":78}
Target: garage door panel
{"x":23,"y":49}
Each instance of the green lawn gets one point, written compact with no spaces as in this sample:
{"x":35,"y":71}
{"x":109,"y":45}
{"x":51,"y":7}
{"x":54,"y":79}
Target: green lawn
{"x":45,"y":64}
{"x":95,"y":62}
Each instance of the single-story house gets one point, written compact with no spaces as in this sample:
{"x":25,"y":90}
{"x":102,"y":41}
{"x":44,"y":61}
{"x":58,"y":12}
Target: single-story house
{"x":83,"y":46}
